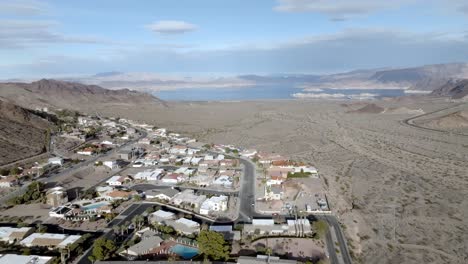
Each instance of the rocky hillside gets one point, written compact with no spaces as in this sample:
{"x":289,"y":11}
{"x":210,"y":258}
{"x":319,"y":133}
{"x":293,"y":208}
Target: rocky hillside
{"x":456,"y":89}
{"x":22,"y":133}
{"x":70,"y":95}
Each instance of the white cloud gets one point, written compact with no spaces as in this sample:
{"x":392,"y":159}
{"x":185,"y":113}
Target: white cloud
{"x":24,"y":7}
{"x":29,"y":33}
{"x":172,"y":27}
{"x":337,"y":10}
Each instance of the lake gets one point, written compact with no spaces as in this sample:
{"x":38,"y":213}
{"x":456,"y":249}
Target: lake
{"x":265,"y":92}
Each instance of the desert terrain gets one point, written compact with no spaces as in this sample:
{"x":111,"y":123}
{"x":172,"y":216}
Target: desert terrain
{"x":399,"y":190}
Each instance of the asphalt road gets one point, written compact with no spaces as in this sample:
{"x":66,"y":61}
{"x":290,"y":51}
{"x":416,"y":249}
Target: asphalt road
{"x":78,"y":166}
{"x":409,"y":121}
{"x":247,"y":192}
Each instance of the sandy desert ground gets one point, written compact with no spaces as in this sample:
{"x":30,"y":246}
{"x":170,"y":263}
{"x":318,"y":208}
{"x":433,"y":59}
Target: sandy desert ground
{"x":399,"y":190}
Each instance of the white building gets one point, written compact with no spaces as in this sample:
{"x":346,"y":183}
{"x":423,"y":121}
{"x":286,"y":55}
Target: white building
{"x":49,"y":240}
{"x":161,"y":216}
{"x":21,"y":259}
{"x":112,"y":164}
{"x":13,"y":234}
{"x":215,"y":203}
{"x":185,"y":226}
{"x":224,"y":181}
{"x":149,"y":175}
{"x":248,"y":153}
{"x":55,"y":161}
{"x":115,"y":180}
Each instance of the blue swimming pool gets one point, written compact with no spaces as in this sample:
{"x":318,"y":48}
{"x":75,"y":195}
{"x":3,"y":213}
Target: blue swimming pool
{"x":94,"y":206}
{"x":184,"y":251}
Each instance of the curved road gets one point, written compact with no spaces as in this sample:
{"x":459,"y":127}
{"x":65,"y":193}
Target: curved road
{"x":409,"y":121}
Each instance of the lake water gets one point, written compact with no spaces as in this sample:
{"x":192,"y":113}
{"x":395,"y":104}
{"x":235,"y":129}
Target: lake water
{"x":265,"y":92}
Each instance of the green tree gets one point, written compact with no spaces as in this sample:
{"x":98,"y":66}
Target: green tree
{"x":15,"y":171}
{"x":213,"y":245}
{"x":103,"y":248}
{"x":320,"y":227}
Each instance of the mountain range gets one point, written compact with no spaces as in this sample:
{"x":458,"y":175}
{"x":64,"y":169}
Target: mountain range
{"x":70,"y":95}
{"x":422,"y":78}
{"x":22,"y":133}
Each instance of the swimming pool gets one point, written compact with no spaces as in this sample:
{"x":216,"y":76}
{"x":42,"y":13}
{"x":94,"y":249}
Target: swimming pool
{"x":94,"y":206}
{"x":184,"y":251}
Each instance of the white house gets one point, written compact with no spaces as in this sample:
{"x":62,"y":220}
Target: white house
{"x":112,"y":164}
{"x":248,"y":153}
{"x":273,"y":192}
{"x":117,"y":180}
{"x":161,"y":194}
{"x":149,"y":175}
{"x":107,"y":143}
{"x":195,"y":161}
{"x":13,"y":234}
{"x":20,"y":259}
{"x":7,"y":182}
{"x":86,"y":152}
{"x":223,"y":180}
{"x":49,"y":240}
{"x":215,"y":203}
{"x":55,"y":161}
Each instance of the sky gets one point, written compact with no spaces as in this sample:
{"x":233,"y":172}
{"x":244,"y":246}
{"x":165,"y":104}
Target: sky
{"x":229,"y":37}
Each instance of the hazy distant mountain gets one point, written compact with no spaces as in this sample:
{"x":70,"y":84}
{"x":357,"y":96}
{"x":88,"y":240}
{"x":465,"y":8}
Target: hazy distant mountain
{"x":22,"y":133}
{"x":107,"y":74}
{"x":281,"y":78}
{"x":456,"y":89}
{"x":60,"y":94}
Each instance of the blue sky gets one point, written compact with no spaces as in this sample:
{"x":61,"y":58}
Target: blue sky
{"x":68,"y":38}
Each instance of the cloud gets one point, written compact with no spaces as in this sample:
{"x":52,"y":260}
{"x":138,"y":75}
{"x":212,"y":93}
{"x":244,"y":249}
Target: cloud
{"x":337,"y":10}
{"x":28,"y":33}
{"x":24,"y":8}
{"x":346,"y":50}
{"x":463,"y":9}
{"x":171,"y":27}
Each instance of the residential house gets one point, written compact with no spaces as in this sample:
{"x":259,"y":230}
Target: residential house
{"x":111,"y":164}
{"x":162,"y":194}
{"x":188,"y":197}
{"x":86,"y":151}
{"x":161,"y":216}
{"x":227,"y":232}
{"x":56,"y":196}
{"x":266,"y":158}
{"x":178,"y":150}
{"x":173,"y":178}
{"x":14,"y":234}
{"x":228,"y":163}
{"x":273,"y":192}
{"x":118,"y":195}
{"x":49,"y":240}
{"x":22,"y":259}
{"x":145,"y":246}
{"x":185,"y":226}
{"x":144,"y":141}
{"x":126,"y":154}
{"x":149,"y":175}
{"x":224,"y":181}
{"x":214,"y":204}
{"x":9,"y":181}
{"x":248,"y":153}
{"x":55,"y":161}
{"x":118,"y":180}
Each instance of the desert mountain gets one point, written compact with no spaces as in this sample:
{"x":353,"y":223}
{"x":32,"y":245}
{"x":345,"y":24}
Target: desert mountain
{"x":456,"y":120}
{"x":456,"y":89}
{"x":70,"y":95}
{"x":369,"y":109}
{"x":22,"y":133}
